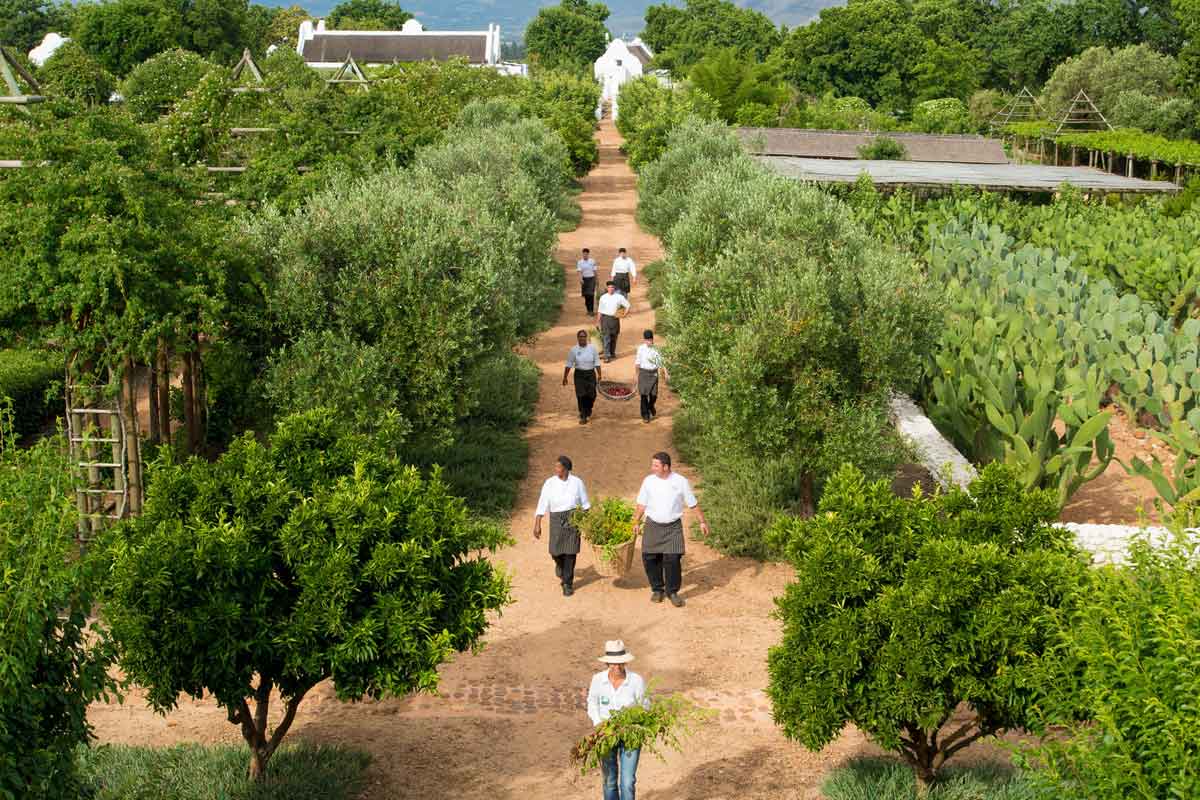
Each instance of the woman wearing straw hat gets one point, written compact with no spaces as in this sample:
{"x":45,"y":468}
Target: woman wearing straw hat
{"x":611,"y":690}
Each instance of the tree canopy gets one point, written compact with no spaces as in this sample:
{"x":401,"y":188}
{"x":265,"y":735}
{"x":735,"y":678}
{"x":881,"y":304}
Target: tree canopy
{"x":569,"y":36}
{"x":681,"y":37}
{"x":275,"y":568}
{"x":367,"y":15}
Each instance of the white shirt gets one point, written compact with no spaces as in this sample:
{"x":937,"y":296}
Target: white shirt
{"x":586,"y":267}
{"x":583,"y":357}
{"x":647,"y":357}
{"x":664,"y":498}
{"x":609,"y":303}
{"x":560,"y":495}
{"x":603,"y":699}
{"x":624,"y":264}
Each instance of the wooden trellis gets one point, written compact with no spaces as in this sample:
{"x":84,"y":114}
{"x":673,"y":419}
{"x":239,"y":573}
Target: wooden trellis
{"x":349,"y":72}
{"x":1082,"y":115}
{"x":1024,"y":107}
{"x":105,"y":452}
{"x":256,"y":83}
{"x":12,"y":90}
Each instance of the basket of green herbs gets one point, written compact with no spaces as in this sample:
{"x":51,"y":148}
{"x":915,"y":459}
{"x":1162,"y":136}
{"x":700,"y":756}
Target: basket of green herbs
{"x":607,"y":527}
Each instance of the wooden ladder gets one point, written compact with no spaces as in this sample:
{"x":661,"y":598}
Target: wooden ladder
{"x":100,"y":457}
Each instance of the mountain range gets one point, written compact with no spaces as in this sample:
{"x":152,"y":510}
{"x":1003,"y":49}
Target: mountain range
{"x":513,"y":15}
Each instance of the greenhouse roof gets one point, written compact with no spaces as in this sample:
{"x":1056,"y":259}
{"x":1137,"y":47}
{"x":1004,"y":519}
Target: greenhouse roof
{"x":931,"y":174}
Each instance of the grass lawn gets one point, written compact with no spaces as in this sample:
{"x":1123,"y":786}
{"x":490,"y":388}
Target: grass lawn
{"x":196,"y":772}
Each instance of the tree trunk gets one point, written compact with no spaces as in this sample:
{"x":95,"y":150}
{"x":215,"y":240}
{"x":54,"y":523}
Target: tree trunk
{"x":163,"y":369}
{"x":262,"y":743}
{"x":925,"y":779}
{"x":189,"y":405}
{"x":132,"y":440}
{"x":152,"y":397}
{"x":808,"y":499}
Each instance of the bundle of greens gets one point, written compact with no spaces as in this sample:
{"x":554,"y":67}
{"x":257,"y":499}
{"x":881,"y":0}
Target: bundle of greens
{"x":608,"y":524}
{"x":663,"y":725}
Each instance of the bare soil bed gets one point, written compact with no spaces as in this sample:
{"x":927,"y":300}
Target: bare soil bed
{"x":506,"y":718}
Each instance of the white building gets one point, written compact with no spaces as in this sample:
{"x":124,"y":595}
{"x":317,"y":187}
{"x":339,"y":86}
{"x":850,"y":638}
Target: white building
{"x":327,"y":49}
{"x":622,"y":61}
{"x":39,"y":55}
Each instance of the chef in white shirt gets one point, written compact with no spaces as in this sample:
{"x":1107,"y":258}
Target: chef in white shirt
{"x":607,"y":320}
{"x":624,"y":272}
{"x":561,"y":495}
{"x":586,"y":267}
{"x":612,"y":690}
{"x":661,"y":500}
{"x":648,"y":362}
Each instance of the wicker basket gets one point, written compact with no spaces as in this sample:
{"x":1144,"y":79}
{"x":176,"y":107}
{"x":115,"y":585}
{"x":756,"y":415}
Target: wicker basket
{"x":619,"y":565}
{"x":603,"y":388}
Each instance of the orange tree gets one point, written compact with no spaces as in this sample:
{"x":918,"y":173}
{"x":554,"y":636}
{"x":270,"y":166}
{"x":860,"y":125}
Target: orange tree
{"x":275,"y":568}
{"x":929,"y":622}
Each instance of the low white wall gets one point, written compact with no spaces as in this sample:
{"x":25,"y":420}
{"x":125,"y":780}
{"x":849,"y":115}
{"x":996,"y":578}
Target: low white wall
{"x":1108,"y":544}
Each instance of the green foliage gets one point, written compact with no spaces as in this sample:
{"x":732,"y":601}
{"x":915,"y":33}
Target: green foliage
{"x":1105,"y":73}
{"x":23,"y":23}
{"x":649,"y":112}
{"x":841,"y":114}
{"x":569,"y":36}
{"x":663,"y":725}
{"x":320,"y":557}
{"x":1132,"y":645}
{"x":884,"y":779}
{"x":31,"y":383}
{"x":608,"y":524}
{"x":52,"y":662}
{"x":682,"y":37}
{"x":734,"y":83}
{"x":883,"y":148}
{"x":217,"y":772}
{"x":1132,"y":142}
{"x":789,"y":326}
{"x":73,"y":74}
{"x":123,"y":33}
{"x":1174,"y":118}
{"x":154,"y":86}
{"x":1179,"y":484}
{"x":503,"y":390}
{"x":483,"y":463}
{"x":367,"y":15}
{"x":945,"y":115}
{"x":665,"y":186}
{"x":903,"y":610}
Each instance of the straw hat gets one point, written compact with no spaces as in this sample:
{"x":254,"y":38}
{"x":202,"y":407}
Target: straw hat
{"x":615,"y":653}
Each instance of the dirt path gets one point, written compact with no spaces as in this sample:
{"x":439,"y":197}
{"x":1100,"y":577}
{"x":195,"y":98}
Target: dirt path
{"x":507,"y":717}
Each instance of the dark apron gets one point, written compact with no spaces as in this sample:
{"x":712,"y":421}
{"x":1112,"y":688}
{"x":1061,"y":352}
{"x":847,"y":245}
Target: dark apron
{"x":648,"y":382}
{"x":621,"y":279}
{"x":564,"y":537}
{"x":609,"y":324}
{"x":588,"y":287}
{"x":585,"y":384}
{"x":660,"y":538}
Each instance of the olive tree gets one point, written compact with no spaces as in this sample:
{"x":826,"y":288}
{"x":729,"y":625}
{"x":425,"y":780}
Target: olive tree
{"x":274,"y":568}
{"x":929,"y":622}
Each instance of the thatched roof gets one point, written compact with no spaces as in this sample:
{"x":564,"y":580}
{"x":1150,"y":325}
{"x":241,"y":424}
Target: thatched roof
{"x":805,"y":143}
{"x":385,"y":47}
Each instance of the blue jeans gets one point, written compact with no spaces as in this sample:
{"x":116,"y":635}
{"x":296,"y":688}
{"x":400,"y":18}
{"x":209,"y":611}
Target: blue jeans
{"x":626,"y":778}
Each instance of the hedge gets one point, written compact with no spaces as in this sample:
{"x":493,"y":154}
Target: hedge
{"x":32,"y":381}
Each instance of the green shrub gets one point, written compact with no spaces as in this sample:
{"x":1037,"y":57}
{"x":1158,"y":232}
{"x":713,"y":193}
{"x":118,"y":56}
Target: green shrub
{"x":482,"y":463}
{"x":503,"y":390}
{"x":666,"y":184}
{"x":608,"y":524}
{"x":72,"y":73}
{"x":32,"y":381}
{"x":945,"y":115}
{"x":52,"y":663}
{"x":321,"y":557}
{"x":154,"y":86}
{"x":884,"y":779}
{"x":647,"y":113}
{"x":883,"y":148}
{"x":1134,"y":651}
{"x":218,"y":772}
{"x":905,"y":610}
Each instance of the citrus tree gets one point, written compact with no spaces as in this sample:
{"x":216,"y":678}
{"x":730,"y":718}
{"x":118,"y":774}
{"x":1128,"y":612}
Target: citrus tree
{"x":929,"y":623}
{"x":274,"y":568}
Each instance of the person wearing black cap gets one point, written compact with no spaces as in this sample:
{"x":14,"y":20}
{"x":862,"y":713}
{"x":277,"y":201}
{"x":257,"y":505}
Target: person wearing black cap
{"x":562,"y":493}
{"x":648,"y":363}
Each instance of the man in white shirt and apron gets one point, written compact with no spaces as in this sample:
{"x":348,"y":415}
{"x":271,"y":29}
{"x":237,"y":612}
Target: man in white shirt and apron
{"x":661,"y":500}
{"x":624,"y":272}
{"x":586,"y":267}
{"x":584,"y":359}
{"x":648,"y":363}
{"x":610,"y":303}
{"x":612,"y":690}
{"x":561,"y":495}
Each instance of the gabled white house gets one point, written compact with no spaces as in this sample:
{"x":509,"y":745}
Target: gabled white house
{"x":39,"y":55}
{"x":327,"y":49}
{"x":622,"y":61}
